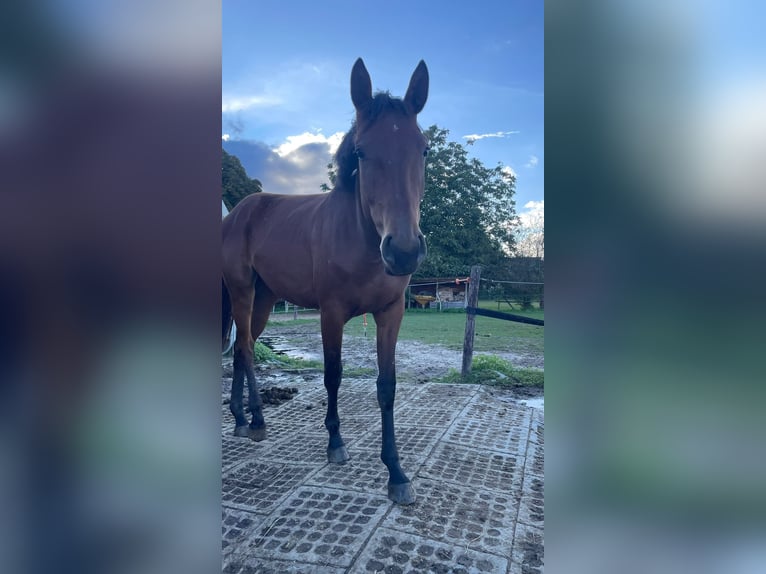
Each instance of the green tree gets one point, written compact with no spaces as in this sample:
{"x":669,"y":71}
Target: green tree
{"x":468,"y":212}
{"x":236,"y":184}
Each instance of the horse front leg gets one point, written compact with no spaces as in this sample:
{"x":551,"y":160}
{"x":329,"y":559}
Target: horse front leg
{"x":332,"y":339}
{"x":388,"y":321}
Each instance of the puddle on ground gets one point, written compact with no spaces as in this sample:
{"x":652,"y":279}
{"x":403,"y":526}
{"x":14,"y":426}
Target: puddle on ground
{"x":535,"y":403}
{"x":281,"y":346}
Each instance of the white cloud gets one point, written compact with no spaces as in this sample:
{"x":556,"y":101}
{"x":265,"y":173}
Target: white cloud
{"x":296,"y":166}
{"x":225,"y":137}
{"x":237,"y":104}
{"x":508,"y":170}
{"x":533,"y":161}
{"x":293,"y":143}
{"x":475,"y":137}
{"x":530,"y":233}
{"x":534,"y":216}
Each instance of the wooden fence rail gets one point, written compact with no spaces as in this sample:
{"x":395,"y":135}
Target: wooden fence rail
{"x":472,"y":310}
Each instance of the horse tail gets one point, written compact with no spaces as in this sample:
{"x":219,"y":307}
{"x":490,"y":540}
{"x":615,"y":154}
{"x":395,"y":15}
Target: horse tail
{"x":226,"y":318}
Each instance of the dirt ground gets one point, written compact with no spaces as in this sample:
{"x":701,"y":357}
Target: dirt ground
{"x":415,"y":361}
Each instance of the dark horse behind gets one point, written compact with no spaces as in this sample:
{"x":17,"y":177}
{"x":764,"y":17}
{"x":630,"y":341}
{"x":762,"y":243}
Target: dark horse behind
{"x":346,"y":252}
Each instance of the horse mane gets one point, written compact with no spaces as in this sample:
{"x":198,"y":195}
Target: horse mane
{"x":345,"y":159}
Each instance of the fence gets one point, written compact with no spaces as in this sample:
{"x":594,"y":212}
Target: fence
{"x":472,"y":310}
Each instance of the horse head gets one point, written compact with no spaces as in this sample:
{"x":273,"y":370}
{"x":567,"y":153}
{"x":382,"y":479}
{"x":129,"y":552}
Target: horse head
{"x":391,"y":151}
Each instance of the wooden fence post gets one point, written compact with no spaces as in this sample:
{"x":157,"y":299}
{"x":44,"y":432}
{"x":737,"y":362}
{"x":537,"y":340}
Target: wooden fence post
{"x":470,"y":320}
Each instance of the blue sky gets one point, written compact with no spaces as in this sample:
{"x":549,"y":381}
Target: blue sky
{"x":286,"y":68}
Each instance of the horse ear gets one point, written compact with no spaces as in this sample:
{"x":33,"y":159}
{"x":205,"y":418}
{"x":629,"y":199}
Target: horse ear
{"x":361,"y":85}
{"x":417,"y":92}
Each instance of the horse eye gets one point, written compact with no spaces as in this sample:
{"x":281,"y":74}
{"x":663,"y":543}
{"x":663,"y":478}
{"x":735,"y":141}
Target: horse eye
{"x":358,"y":153}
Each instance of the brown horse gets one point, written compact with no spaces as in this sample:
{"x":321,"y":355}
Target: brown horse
{"x":347,"y":252}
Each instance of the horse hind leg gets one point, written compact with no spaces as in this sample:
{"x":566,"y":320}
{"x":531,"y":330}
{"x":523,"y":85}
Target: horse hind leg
{"x":332,"y":339}
{"x":242,"y":308}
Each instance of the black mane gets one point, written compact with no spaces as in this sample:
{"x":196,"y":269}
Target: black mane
{"x":345,"y":159}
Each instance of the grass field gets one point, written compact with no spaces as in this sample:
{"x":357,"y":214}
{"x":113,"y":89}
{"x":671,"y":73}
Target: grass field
{"x":448,"y":329}
{"x":491,"y":370}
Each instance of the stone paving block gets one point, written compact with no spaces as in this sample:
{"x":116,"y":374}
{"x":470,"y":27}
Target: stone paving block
{"x":459,"y":516}
{"x":528,"y":554}
{"x":363,"y":473}
{"x":260,"y":486}
{"x":318,"y":525}
{"x":411,"y":439}
{"x":506,"y":433}
{"x":442,"y":394}
{"x":406,"y":393}
{"x":236,"y":526}
{"x":363,"y":401}
{"x":296,"y":412}
{"x":306,"y":446}
{"x":440,"y":417}
{"x":532,"y":506}
{"x":277,"y":427}
{"x":395,"y":552}
{"x":250,"y":565}
{"x":535,"y":460}
{"x":484,"y":406}
{"x":287,"y":511}
{"x":354,"y":427}
{"x":479,"y":468}
{"x":227,"y":419}
{"x":235,"y":450}
{"x":537,"y":430}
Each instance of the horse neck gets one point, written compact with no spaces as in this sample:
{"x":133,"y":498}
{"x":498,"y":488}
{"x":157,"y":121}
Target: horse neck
{"x":350,"y":204}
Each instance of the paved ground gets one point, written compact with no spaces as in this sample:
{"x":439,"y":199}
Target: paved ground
{"x":475,"y":456}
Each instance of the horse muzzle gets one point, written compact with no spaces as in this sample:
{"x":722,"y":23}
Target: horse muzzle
{"x":403,"y":257}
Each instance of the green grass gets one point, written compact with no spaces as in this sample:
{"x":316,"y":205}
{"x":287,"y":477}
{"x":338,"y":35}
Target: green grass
{"x":359,"y":373}
{"x":533,"y":311}
{"x":288,"y":322}
{"x":497,"y":372}
{"x":447,"y":328}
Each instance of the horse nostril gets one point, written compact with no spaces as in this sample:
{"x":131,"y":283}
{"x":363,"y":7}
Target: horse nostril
{"x":403,"y":258}
{"x":386,"y":250}
{"x":422,"y":248}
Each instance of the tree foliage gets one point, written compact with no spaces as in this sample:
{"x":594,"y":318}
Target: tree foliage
{"x":236,"y":184}
{"x":468,"y":212}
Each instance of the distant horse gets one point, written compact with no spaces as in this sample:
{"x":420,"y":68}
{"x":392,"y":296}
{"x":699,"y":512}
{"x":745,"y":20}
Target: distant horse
{"x":347,"y":252}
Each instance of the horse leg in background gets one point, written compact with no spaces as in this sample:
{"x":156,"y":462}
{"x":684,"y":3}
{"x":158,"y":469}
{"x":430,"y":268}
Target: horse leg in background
{"x":242,"y":306}
{"x":389,"y":320}
{"x":332,"y":339}
{"x":262,"y":304}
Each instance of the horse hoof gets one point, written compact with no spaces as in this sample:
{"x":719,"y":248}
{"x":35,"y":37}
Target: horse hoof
{"x":338,"y":455}
{"x":401,"y":493}
{"x":241,"y":431}
{"x":256,"y":434}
